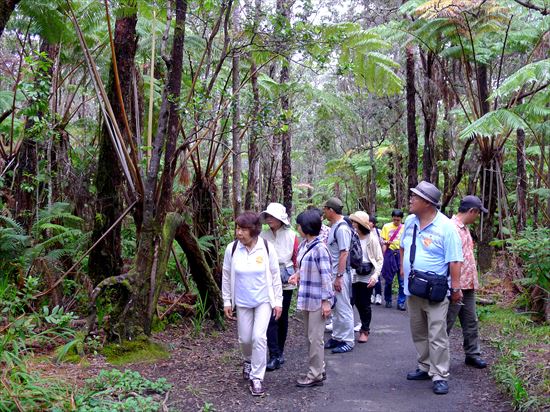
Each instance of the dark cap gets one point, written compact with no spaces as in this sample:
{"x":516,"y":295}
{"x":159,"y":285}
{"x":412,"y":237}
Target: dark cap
{"x":472,"y":202}
{"x":428,"y":192}
{"x":335,"y":204}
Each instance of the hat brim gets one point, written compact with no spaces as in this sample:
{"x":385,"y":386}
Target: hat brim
{"x":356,"y":219}
{"x":426,"y":198}
{"x":265,"y":212}
{"x":483,"y":209}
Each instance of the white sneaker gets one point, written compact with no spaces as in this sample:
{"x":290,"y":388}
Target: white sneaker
{"x":378,"y":299}
{"x":357,"y":327}
{"x":371,"y":298}
{"x":328,"y":327}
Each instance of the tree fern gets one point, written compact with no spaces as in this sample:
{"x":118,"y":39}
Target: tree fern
{"x":499,"y":122}
{"x":534,"y":74}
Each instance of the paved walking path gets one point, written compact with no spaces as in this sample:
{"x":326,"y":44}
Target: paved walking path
{"x":372,"y":376}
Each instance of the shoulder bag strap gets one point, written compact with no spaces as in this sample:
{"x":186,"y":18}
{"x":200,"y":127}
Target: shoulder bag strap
{"x":315,"y":242}
{"x":392,"y":238}
{"x":413,"y":248}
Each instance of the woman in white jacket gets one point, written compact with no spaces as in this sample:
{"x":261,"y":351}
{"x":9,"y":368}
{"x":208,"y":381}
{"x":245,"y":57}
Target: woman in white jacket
{"x":251,"y":282}
{"x":364,"y":281}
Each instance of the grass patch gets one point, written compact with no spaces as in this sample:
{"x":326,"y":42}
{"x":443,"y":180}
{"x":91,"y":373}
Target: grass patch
{"x":522,"y":368}
{"x":139,"y":350}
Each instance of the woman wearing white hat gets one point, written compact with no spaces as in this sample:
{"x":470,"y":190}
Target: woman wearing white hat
{"x":285,"y":242}
{"x":365,"y":279}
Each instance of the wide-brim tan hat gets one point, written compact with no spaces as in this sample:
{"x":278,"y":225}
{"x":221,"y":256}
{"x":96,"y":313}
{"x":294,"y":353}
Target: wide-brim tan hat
{"x":361,"y":217}
{"x":278,"y":211}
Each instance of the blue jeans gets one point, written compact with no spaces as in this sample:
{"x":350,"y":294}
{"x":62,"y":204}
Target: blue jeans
{"x":388,"y":286}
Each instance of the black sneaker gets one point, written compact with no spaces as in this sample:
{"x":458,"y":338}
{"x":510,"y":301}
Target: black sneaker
{"x":273,"y":364}
{"x":247,"y":367}
{"x":440,"y":387}
{"x":332,"y":343}
{"x":388,"y":305}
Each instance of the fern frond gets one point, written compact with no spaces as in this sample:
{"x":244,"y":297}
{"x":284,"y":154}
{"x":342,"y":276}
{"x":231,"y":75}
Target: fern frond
{"x":498,"y":122}
{"x":531,"y":74}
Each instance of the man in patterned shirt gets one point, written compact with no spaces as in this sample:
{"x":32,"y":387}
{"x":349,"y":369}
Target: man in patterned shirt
{"x":469,"y":210}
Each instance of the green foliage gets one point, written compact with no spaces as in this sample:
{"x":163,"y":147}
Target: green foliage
{"x":531,"y":75}
{"x":139,"y":350}
{"x":520,"y":368}
{"x":533,"y":247}
{"x":114,"y":390}
{"x":201,"y":310}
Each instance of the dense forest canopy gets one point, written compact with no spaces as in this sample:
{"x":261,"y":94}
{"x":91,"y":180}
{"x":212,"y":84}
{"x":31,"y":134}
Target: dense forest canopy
{"x":133,"y":132}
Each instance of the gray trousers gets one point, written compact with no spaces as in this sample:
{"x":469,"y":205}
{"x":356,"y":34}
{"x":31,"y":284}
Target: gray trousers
{"x":468,"y":320}
{"x":342,"y":314}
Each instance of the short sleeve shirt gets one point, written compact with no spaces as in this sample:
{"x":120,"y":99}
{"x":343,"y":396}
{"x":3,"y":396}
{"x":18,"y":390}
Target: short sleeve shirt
{"x":468,"y":272}
{"x":437,"y":245}
{"x":339,"y":244}
{"x":388,"y":231}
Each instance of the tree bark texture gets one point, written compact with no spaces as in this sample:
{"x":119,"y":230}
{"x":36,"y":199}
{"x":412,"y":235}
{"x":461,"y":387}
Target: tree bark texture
{"x":429,"y":111}
{"x":521,"y":183}
{"x":284,"y":9}
{"x":236,"y":119}
{"x":32,"y":151}
{"x":6,"y":9}
{"x":412,"y":136}
{"x":138,"y":315}
{"x":105,"y":260}
{"x":252,"y":189}
{"x":199,"y":267}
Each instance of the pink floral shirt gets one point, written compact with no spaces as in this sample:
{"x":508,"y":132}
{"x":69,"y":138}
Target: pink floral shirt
{"x":468,"y":274}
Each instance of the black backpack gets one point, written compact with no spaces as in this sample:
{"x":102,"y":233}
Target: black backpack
{"x":235,"y":247}
{"x":355,"y":257}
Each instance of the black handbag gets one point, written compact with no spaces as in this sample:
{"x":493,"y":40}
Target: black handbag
{"x":365,"y":269}
{"x":426,"y":285}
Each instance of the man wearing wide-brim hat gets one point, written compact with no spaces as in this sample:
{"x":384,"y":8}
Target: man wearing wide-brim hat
{"x":469,"y":210}
{"x":438,"y":250}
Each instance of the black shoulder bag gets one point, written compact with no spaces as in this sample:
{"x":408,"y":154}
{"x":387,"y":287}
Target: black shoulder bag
{"x":426,"y":285}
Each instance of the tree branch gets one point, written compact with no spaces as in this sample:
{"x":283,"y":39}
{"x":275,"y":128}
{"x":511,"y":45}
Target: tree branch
{"x":544,"y":11}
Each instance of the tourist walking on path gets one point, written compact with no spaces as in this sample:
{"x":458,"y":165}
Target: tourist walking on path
{"x":376,"y":296}
{"x":366,"y":277}
{"x":339,"y":242}
{"x":251,"y":282}
{"x":437,"y":250}
{"x":468,"y":211}
{"x":391,"y":236}
{"x":285,"y":243}
{"x":315,"y":294}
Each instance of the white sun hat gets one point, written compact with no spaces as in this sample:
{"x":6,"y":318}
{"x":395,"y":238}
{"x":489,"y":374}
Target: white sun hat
{"x":278,"y":211}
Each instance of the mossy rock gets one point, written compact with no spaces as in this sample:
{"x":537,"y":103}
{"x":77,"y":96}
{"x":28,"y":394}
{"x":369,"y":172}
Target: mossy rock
{"x":134,"y":351}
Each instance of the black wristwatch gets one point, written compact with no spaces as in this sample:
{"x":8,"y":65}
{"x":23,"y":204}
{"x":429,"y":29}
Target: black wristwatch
{"x":339,"y":275}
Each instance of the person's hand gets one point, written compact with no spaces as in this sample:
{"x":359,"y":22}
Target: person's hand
{"x":294,"y":279}
{"x":456,"y":297}
{"x":338,"y":284}
{"x":228,"y":312}
{"x":372,"y":282}
{"x":325,"y":309}
{"x":277,"y":311}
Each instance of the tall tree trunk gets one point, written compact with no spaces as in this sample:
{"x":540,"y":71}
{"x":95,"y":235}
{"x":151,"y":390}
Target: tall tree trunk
{"x":372,"y":182}
{"x":252,"y":188}
{"x":521,"y":183}
{"x":105,"y":260}
{"x":26,"y":169}
{"x":6,"y":9}
{"x":412,"y":137}
{"x":491,"y":160}
{"x":236,"y":117}
{"x":226,"y":174}
{"x":284,"y":10}
{"x":157,"y":232}
{"x":429,"y":111}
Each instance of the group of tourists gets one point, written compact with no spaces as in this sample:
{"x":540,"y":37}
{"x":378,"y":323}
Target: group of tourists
{"x":339,"y":266}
